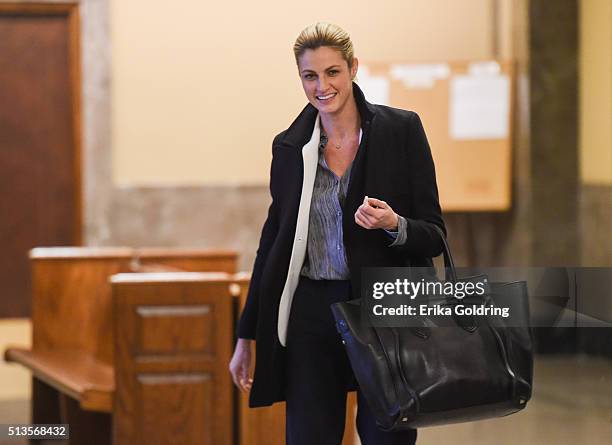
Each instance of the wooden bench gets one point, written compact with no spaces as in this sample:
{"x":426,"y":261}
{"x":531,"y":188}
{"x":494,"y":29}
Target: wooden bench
{"x":72,"y":354}
{"x":137,"y":358}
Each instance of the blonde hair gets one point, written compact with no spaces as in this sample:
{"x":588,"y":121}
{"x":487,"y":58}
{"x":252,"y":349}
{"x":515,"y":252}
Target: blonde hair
{"x":324,"y":34}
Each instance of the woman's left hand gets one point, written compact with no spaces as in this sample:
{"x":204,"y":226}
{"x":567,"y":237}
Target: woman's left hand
{"x":376,"y":214}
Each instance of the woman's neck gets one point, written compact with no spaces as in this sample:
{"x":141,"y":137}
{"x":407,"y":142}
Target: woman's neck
{"x":346,"y":122}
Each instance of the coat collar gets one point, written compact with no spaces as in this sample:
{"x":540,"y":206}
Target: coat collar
{"x":300,"y":131}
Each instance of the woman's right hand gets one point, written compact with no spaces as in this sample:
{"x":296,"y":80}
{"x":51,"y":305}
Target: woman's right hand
{"x":240,"y":364}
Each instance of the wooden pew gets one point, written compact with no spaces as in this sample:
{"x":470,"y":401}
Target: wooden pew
{"x":71,"y":358}
{"x":83,"y":368}
{"x":173,"y":341}
{"x":72,"y":354}
{"x":266,"y":426}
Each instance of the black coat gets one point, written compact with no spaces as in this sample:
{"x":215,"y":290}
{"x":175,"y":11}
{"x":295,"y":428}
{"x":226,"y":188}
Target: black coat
{"x":393,"y":163}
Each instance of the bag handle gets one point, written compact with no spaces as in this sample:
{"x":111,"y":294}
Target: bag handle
{"x":467,"y":322}
{"x":449,"y":264}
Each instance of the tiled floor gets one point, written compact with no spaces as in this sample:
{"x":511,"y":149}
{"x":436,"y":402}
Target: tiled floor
{"x":13,"y":411}
{"x":572,"y":404}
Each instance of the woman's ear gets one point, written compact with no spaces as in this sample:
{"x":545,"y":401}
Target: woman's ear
{"x":354,"y":67}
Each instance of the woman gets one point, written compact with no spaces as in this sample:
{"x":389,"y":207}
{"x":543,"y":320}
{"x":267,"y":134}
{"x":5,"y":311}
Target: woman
{"x":353,"y":185}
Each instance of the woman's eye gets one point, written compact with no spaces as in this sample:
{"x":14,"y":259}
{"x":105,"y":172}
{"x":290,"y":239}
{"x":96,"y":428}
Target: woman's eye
{"x":308,"y":76}
{"x":333,"y":72}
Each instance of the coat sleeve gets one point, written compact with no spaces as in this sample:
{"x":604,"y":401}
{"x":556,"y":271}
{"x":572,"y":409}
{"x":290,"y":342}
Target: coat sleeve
{"x":422,"y":240}
{"x":247,"y":325}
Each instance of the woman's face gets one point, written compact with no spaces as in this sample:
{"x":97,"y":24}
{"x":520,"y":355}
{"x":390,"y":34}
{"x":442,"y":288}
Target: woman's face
{"x":326,"y":78}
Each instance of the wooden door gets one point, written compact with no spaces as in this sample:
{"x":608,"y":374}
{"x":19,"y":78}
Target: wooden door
{"x":39,"y":140}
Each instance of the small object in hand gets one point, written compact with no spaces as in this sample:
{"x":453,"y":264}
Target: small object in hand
{"x":366,"y":201}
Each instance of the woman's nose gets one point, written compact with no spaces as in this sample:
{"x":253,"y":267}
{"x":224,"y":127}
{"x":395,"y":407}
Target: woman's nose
{"x":322,"y":84}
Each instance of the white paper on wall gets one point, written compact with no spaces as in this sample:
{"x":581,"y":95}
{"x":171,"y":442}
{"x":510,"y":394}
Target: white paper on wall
{"x":479,"y":107}
{"x":484,"y":68}
{"x":375,"y":88}
{"x":422,"y":75}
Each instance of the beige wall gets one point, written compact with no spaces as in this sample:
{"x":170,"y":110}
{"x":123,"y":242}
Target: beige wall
{"x":14,"y":379}
{"x":199,"y":91}
{"x":596,"y":91}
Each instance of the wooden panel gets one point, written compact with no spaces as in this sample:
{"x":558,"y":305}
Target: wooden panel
{"x":72,"y":293}
{"x":187,"y":329}
{"x":184,"y":392}
{"x":171,"y":401}
{"x":262,"y":426}
{"x":40,"y":164}
{"x":72,"y":303}
{"x":350,"y":428}
{"x":192,"y":260}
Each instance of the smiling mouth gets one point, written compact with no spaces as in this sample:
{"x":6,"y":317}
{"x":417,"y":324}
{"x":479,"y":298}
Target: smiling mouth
{"x":326,"y":97}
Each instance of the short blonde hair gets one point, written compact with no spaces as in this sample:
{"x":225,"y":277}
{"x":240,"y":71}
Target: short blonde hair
{"x":324,"y":34}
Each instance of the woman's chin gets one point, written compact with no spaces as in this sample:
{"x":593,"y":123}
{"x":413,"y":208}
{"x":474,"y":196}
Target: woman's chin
{"x":326,"y":108}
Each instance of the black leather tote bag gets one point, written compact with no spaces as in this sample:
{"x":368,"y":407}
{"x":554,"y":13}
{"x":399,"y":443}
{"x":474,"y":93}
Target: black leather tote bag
{"x":432,"y":375}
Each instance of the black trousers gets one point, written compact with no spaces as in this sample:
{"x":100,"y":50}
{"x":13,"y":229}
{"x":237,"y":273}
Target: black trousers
{"x":319,"y":373}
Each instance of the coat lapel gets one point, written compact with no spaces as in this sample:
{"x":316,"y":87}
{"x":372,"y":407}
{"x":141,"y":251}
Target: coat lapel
{"x":310,"y":156}
{"x":356,"y":188}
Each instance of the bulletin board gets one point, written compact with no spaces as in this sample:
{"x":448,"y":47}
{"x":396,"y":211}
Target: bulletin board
{"x":466,"y":110}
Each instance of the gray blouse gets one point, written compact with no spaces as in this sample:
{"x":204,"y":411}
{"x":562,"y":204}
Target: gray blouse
{"x":325,"y":253}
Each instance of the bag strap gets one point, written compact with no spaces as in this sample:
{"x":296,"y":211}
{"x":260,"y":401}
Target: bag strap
{"x":467,"y":322}
{"x":449,"y":264}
